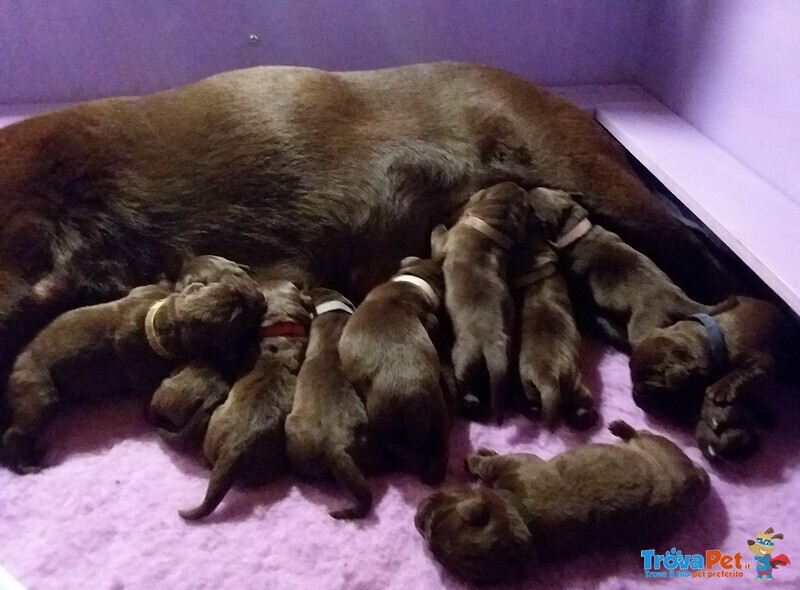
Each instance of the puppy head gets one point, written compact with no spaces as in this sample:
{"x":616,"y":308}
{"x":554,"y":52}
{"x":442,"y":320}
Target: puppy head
{"x":219,"y":316}
{"x":320,"y":295}
{"x":285,"y":302}
{"x":475,"y":532}
{"x":427,"y":269}
{"x":553,"y":212}
{"x":503,"y":206}
{"x":669,"y":368}
{"x":209,"y":269}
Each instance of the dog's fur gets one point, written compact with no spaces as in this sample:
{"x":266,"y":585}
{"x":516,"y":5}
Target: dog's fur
{"x":184,"y":402}
{"x":105,"y":347}
{"x":207,"y":269}
{"x":335,"y":176}
{"x":672,"y":370}
{"x":477,"y":297}
{"x":631,"y":296}
{"x":245,"y":440}
{"x":326,"y":433}
{"x":547,"y":340}
{"x":597,"y":495}
{"x":388,"y":356}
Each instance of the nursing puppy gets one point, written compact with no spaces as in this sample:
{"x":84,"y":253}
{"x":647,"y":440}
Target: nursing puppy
{"x":474,"y":255}
{"x":727,"y":359}
{"x":125,"y":347}
{"x":209,"y":269}
{"x":631,"y":296}
{"x":182,"y":405}
{"x":326,"y":433}
{"x":548,"y":340}
{"x":388,"y":356}
{"x":596,"y":495}
{"x":245,"y":440}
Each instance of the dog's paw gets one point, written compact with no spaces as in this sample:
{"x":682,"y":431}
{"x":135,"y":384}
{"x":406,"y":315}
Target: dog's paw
{"x":19,"y":452}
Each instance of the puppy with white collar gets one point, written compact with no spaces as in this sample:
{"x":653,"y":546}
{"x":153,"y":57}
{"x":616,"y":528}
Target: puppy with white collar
{"x":388,"y":355}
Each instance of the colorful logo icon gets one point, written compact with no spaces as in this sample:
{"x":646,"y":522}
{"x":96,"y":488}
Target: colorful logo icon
{"x":762,"y":548}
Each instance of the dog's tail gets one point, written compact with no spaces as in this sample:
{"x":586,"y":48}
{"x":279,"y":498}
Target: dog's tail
{"x":623,"y":430}
{"x":351,"y":479}
{"x":223,"y":476}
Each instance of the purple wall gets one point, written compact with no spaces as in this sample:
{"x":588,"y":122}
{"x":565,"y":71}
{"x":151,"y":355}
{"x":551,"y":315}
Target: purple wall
{"x":732,"y":69}
{"x":78,"y":49}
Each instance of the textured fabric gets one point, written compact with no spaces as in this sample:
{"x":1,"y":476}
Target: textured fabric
{"x":104,"y":516}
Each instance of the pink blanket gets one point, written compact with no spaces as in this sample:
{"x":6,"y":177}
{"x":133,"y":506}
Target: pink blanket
{"x":104,"y":516}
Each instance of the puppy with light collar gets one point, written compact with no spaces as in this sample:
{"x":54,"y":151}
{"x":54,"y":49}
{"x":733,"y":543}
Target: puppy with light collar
{"x":124,"y":347}
{"x":326,"y":433}
{"x":548,"y":340}
{"x":629,"y":294}
{"x":474,"y":255}
{"x":729,"y":359}
{"x":388,"y":355}
{"x":245,"y":441}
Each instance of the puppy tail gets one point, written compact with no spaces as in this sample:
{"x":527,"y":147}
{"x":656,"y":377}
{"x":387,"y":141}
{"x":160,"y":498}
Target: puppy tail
{"x":352,"y":480}
{"x":623,"y":430}
{"x":223,"y":476}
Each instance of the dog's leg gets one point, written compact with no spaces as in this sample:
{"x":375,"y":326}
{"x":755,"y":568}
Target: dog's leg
{"x":496,"y":358}
{"x":352,"y":480}
{"x":487,"y":465}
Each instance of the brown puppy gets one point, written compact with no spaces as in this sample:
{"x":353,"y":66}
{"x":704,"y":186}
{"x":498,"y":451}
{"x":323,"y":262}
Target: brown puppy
{"x":182,"y":405}
{"x":548,"y":340}
{"x":128,"y":346}
{"x":594,"y":495}
{"x":339,"y":174}
{"x":245,"y":439}
{"x":734,"y":361}
{"x":630,"y":294}
{"x":474,"y":255}
{"x":209,"y":269}
{"x":388,"y":356}
{"x":326,"y":433}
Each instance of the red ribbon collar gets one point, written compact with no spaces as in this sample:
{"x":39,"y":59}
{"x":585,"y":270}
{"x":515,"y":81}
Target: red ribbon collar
{"x":286,"y":329}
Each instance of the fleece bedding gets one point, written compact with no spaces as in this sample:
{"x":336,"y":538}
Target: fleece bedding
{"x":104,"y":516}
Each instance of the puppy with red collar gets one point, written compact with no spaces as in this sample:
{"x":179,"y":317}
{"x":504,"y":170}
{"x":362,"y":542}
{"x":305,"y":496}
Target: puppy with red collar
{"x":245,"y":440}
{"x":388,"y":355}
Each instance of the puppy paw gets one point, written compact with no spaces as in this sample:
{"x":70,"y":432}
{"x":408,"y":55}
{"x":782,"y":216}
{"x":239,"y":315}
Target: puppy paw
{"x":472,"y":464}
{"x":20,"y":452}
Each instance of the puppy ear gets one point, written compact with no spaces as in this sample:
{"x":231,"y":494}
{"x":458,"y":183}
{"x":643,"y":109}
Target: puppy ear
{"x":777,"y":536}
{"x":308,"y":302}
{"x":439,"y":242}
{"x":474,"y":512}
{"x":409,"y":260}
{"x":769,"y":531}
{"x":750,"y":542}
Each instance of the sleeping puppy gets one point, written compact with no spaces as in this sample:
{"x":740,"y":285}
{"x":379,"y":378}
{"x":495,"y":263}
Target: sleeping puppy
{"x":326,"y":431}
{"x":728,"y":359}
{"x":209,"y":269}
{"x":124,"y":347}
{"x":474,"y":255}
{"x":630,"y":294}
{"x":596,"y":495}
{"x":388,"y":356}
{"x":245,"y":440}
{"x":548,"y":340}
{"x":182,"y":405}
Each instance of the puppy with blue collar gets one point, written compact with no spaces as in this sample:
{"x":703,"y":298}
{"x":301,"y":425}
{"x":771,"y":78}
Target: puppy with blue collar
{"x":717,"y":367}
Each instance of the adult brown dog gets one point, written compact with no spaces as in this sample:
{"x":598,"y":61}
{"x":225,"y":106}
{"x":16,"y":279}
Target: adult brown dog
{"x":245,"y":440}
{"x":388,"y":356}
{"x":474,"y":255}
{"x":125,"y":347}
{"x":677,"y":366}
{"x":548,"y":340}
{"x":596,"y":495}
{"x":630,"y":295}
{"x":333,"y":175}
{"x":326,"y":433}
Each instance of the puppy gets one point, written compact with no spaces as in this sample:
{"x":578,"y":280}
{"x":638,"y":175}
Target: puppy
{"x":182,"y":405}
{"x":548,"y":340}
{"x":326,"y":431}
{"x":245,"y":439}
{"x":124,"y":347}
{"x":209,"y":269}
{"x":728,"y":359}
{"x":630,"y":294}
{"x":388,"y":356}
{"x":474,"y":256}
{"x":596,"y":495}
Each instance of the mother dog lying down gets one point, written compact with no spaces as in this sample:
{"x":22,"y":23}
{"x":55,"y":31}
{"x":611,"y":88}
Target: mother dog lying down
{"x":300,"y":173}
